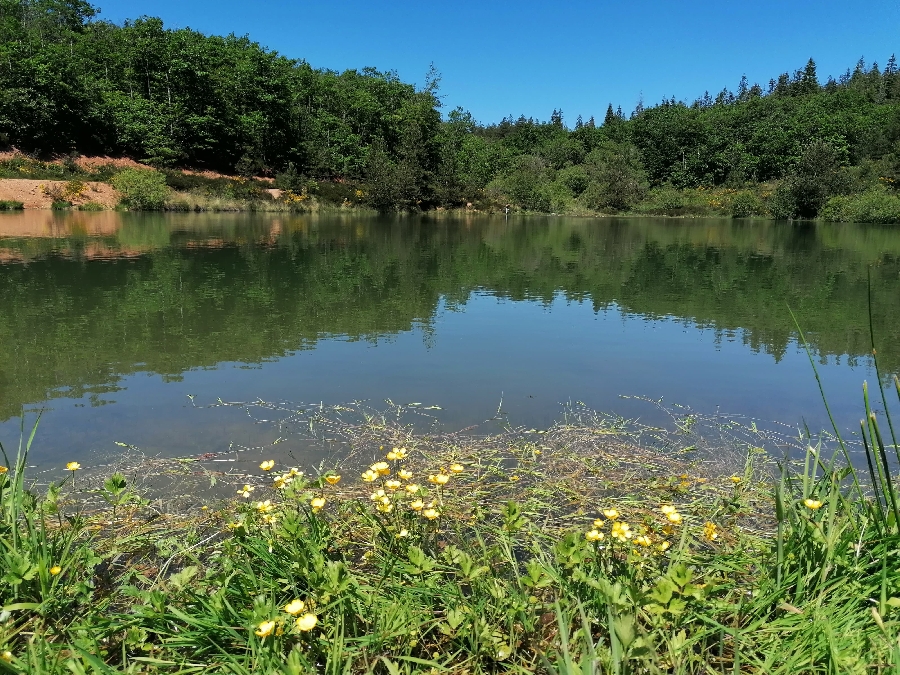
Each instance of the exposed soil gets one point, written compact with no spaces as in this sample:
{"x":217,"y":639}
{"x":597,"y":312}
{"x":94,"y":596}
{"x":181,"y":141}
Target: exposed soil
{"x":40,"y":194}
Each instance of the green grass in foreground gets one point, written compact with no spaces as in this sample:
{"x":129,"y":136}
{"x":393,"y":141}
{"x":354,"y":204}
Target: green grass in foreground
{"x":570,"y":550}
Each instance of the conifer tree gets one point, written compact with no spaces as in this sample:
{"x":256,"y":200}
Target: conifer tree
{"x":610,"y":116}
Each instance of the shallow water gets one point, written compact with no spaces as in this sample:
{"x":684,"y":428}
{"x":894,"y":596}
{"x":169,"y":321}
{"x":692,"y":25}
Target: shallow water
{"x":110,"y":321}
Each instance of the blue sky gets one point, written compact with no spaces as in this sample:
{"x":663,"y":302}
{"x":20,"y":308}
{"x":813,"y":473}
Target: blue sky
{"x":505,"y":58}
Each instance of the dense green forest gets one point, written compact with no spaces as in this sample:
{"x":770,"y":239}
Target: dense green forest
{"x":193,"y":291}
{"x":796,"y":147}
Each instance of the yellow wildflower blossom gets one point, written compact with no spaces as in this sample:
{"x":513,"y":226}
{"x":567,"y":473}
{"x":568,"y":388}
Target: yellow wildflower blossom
{"x":709,"y":531}
{"x":296,"y":472}
{"x":439,"y":479}
{"x":674,"y":517}
{"x":404,"y":474}
{"x":385,"y":506}
{"x":307,"y":622}
{"x":381,"y":468}
{"x":56,"y":569}
{"x":3,"y":470}
{"x":612,"y":514}
{"x":246,"y":490}
{"x":599,"y":523}
{"x":265,"y":629}
{"x":317,"y":503}
{"x":267,"y":465}
{"x":456,"y":468}
{"x":73,"y":466}
{"x":812,"y":503}
{"x":377,"y":495}
{"x":265,"y":507}
{"x":417,"y":505}
{"x":643,"y":540}
{"x":333,"y":479}
{"x":431,"y":514}
{"x":269,"y":519}
{"x":402,"y":533}
{"x":621,"y":531}
{"x":736,"y":479}
{"x":369,"y":475}
{"x":294,"y":607}
{"x":7,"y":656}
{"x":664,"y":546}
{"x":667,"y":509}
{"x":594,"y":535}
{"x":282,"y":481}
{"x":412,"y":488}
{"x":392,"y":484}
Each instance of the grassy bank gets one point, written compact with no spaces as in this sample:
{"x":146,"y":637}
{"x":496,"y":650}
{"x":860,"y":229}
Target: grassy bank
{"x":870,"y":200}
{"x":592,"y":546}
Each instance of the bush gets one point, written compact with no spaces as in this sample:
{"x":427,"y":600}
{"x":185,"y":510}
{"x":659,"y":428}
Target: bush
{"x":60,"y":205}
{"x":746,"y":204}
{"x":874,"y":206}
{"x":142,"y":189}
{"x":11,"y":205}
{"x":91,"y":206}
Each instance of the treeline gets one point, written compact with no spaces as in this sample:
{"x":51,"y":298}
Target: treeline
{"x":71,"y":83}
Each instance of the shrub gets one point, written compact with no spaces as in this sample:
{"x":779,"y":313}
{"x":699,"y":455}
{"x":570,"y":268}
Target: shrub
{"x":874,"y":206}
{"x":746,"y":204}
{"x":91,"y":206}
{"x":60,"y":205}
{"x":142,"y":189}
{"x":11,"y":205}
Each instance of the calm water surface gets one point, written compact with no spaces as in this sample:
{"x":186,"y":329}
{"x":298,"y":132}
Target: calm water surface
{"x":110,"y":321}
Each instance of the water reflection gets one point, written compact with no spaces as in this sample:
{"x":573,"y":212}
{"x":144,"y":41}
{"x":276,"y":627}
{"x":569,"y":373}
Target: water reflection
{"x":90,"y":300}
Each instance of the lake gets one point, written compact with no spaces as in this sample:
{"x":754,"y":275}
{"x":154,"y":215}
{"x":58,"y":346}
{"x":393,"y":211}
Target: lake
{"x":109,"y":321}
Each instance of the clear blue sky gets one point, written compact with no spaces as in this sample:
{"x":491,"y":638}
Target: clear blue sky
{"x":501,"y":58}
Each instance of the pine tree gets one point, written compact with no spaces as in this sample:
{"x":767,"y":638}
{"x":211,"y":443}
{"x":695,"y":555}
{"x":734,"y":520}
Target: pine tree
{"x":591,"y":124}
{"x":579,"y":123}
{"x":743,"y":89}
{"x":610,"y":116}
{"x":809,"y":81}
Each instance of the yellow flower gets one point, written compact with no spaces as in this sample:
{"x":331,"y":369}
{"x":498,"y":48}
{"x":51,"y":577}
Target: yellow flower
{"x":317,"y":503}
{"x":513,"y":478}
{"x":269,"y":519}
{"x":402,"y":533}
{"x":594,"y":535}
{"x":294,"y":607}
{"x":265,"y":507}
{"x":404,"y":474}
{"x":599,"y":523}
{"x":333,"y":479}
{"x":612,"y":514}
{"x":412,"y":488}
{"x":664,"y":546}
{"x":381,"y":468}
{"x":377,"y":495}
{"x":384,"y":506}
{"x":621,"y":531}
{"x":667,"y":509}
{"x":73,"y":466}
{"x":265,"y":628}
{"x":296,"y":472}
{"x":812,"y":503}
{"x":392,"y":484}
{"x":307,"y":622}
{"x":431,"y":514}
{"x":439,"y":479}
{"x":709,"y":531}
{"x":56,"y":569}
{"x":643,"y":540}
{"x":736,"y":479}
{"x":246,"y":490}
{"x":7,"y":656}
{"x":3,"y":470}
{"x":417,"y":505}
{"x":267,"y":465}
{"x":369,"y":475}
{"x":456,"y":468}
{"x":282,"y":481}
{"x":674,"y":517}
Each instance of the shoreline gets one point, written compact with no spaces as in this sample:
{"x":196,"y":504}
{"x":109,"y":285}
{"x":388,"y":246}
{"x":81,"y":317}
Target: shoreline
{"x":590,"y":544}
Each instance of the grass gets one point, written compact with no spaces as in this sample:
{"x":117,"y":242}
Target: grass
{"x":593,"y":547}
{"x":11,"y":205}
